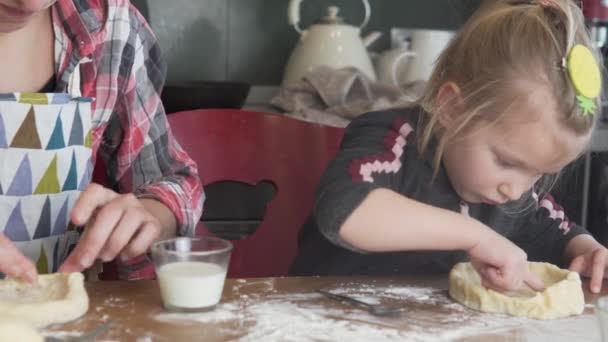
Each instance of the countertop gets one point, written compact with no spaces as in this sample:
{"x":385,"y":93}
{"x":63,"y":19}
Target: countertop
{"x":289,"y":309}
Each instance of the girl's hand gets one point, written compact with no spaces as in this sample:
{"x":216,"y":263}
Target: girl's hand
{"x":115,"y":225}
{"x":592,"y":264}
{"x":502,"y":265}
{"x":14,"y":264}
{"x":587,"y":257}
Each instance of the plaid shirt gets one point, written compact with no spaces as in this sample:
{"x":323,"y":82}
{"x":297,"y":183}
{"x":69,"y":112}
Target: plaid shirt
{"x":122,"y":68}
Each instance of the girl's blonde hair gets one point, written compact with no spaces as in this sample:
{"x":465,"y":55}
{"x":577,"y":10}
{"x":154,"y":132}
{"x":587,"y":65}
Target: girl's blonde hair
{"x":503,"y":43}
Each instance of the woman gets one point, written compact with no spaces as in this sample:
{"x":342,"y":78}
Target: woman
{"x":103,"y":55}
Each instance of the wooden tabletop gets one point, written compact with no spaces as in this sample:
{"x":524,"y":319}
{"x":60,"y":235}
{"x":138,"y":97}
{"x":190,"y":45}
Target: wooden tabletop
{"x":289,"y":309}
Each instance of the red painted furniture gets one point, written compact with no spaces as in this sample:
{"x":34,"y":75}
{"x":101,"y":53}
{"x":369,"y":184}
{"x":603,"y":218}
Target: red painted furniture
{"x":251,"y":147}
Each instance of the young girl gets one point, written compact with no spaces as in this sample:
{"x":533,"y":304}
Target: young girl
{"x":512,"y":99}
{"x":99,"y":68}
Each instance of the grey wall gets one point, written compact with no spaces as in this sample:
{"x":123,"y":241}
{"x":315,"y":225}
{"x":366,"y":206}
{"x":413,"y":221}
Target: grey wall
{"x":250,"y":40}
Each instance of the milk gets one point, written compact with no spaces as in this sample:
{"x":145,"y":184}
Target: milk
{"x":191,"y":284}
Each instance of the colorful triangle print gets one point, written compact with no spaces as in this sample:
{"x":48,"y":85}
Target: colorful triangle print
{"x":86,"y":176}
{"x":8,"y":97}
{"x":65,"y":247}
{"x":56,"y":142}
{"x":42,"y":265}
{"x":71,"y":181}
{"x":76,"y":137}
{"x":88,"y":140}
{"x":56,"y":256}
{"x":15,"y":227}
{"x":27,"y":134}
{"x":61,"y":98}
{"x":43,"y":229}
{"x":49,"y":184}
{"x":61,"y":223}
{"x":22,"y":182}
{"x":34,"y":98}
{"x":2,"y":133}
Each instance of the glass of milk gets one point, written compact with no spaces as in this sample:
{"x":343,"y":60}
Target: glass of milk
{"x":601,"y":310}
{"x":191,"y":272}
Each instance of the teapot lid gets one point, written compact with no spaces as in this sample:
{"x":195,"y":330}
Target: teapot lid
{"x":332,"y":17}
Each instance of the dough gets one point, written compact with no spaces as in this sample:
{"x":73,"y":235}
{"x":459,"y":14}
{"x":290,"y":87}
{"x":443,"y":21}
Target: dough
{"x":15,"y":330}
{"x":55,"y":298}
{"x":563,"y":295}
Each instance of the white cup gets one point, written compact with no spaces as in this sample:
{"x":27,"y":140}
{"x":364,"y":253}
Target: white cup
{"x":601,"y":311}
{"x":191,"y":272}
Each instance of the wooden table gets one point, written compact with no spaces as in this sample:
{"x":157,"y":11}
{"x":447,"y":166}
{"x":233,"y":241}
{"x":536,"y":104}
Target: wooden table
{"x":289,"y":309}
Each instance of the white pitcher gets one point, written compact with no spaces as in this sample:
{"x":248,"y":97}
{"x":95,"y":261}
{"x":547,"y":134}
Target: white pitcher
{"x":427,"y":46}
{"x":391,"y":64}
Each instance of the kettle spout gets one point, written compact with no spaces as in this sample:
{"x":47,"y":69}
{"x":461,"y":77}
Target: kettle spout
{"x":371,"y":38}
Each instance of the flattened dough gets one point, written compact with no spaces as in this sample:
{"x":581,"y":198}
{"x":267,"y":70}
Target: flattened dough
{"x":56,"y":298}
{"x":563,"y":295}
{"x":15,"y":330}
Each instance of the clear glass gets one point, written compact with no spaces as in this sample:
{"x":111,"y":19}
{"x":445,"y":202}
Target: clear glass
{"x":601,"y":310}
{"x":191,"y":272}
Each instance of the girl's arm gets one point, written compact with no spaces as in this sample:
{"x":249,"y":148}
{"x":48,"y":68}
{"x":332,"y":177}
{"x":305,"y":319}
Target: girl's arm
{"x":387,"y":221}
{"x":365,"y":202}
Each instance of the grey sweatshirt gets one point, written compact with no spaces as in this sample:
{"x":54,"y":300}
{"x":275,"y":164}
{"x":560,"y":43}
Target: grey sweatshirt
{"x":379,"y":150}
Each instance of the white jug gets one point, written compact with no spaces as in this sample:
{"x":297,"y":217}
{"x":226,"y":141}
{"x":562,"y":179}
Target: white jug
{"x":329,"y":42}
{"x":391,"y":64}
{"x":427,"y":46}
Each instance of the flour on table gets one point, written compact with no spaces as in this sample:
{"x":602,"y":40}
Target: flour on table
{"x":223,"y":312}
{"x":61,"y":334}
{"x":267,"y":316}
{"x":114,"y":301}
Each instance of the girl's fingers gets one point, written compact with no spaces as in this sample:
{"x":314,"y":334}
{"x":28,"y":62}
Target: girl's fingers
{"x":579,"y":264}
{"x":597,"y":270}
{"x":534,"y":282}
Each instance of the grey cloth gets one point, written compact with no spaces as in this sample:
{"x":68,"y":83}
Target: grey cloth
{"x":370,"y":144}
{"x":335,"y":97}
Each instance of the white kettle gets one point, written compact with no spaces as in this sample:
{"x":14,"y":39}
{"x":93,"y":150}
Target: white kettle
{"x":329,"y":42}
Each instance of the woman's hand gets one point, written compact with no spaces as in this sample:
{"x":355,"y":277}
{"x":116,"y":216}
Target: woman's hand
{"x":115,"y":225}
{"x":14,"y":264}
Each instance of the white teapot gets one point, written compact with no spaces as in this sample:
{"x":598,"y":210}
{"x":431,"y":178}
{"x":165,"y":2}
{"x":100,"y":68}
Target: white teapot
{"x":329,"y":42}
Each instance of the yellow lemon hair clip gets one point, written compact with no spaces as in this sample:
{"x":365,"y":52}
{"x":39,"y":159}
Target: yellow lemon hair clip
{"x":586,"y":78}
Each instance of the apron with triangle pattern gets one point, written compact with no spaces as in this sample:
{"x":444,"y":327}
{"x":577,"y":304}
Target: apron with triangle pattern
{"x":45,"y":163}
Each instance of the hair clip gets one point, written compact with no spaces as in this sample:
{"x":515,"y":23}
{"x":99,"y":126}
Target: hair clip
{"x":522,"y":2}
{"x":545,"y":3}
{"x":586,"y":78}
{"x":563,"y":64}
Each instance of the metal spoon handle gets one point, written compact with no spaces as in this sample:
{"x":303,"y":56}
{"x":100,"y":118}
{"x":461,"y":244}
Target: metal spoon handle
{"x":86,"y":337}
{"x":343,"y":298}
